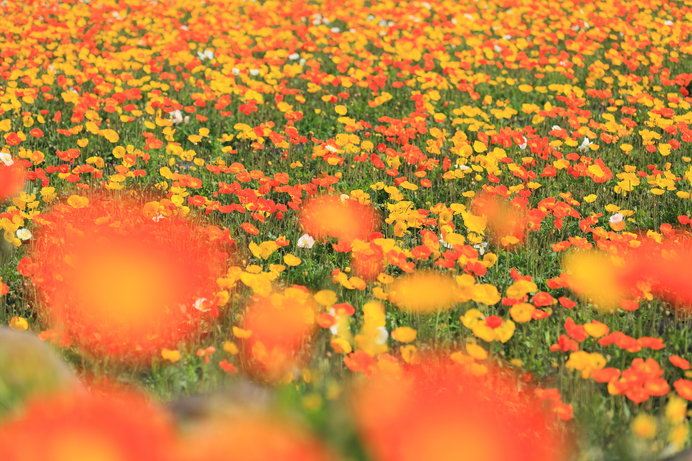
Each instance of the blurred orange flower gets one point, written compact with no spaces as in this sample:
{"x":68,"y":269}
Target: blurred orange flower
{"x":438,"y":409}
{"x":12,"y":178}
{"x":427,"y":291}
{"x":112,"y":425}
{"x":122,"y":284}
{"x":332,"y":216}
{"x":279,"y":328}
{"x":251,"y":437}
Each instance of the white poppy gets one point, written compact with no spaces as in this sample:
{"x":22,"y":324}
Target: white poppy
{"x":305,"y":241}
{"x":6,"y":158}
{"x":177,"y":117}
{"x":481,"y":247}
{"x":24,"y":234}
{"x":199,"y":304}
{"x":616,"y":218}
{"x":382,"y":336}
{"x":444,"y":243}
{"x":334,"y":329}
{"x":205,"y":55}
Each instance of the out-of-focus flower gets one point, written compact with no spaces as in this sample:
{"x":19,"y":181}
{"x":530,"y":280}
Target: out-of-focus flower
{"x":426,"y":292}
{"x":665,"y":267}
{"x":279,"y":328}
{"x":112,"y":425}
{"x":205,"y":55}
{"x":506,"y":221}
{"x":439,"y":409}
{"x":644,"y":426}
{"x":367,"y":260}
{"x":594,"y":276}
{"x":330,"y":216}
{"x":404,"y":334}
{"x":120,"y":284}
{"x":12,"y":177}
{"x":251,"y":436}
{"x":19,"y":323}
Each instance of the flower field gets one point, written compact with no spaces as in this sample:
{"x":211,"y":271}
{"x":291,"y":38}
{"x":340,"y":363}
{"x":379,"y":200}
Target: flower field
{"x":345,"y":230}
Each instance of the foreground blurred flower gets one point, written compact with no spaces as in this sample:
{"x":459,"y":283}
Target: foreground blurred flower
{"x":644,"y":426}
{"x":427,"y":291}
{"x":367,"y":260}
{"x":251,"y":437}
{"x":593,"y":276}
{"x":344,"y":219}
{"x":278,"y":329}
{"x":110,"y":426}
{"x":12,"y":177}
{"x":120,"y":284}
{"x":506,"y":220}
{"x":666,"y":267}
{"x":660,"y":268}
{"x":440,"y":410}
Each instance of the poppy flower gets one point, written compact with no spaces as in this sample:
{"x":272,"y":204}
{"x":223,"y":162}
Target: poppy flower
{"x":251,"y":436}
{"x":12,"y":177}
{"x":112,"y":425}
{"x":426,"y":292}
{"x":439,"y":409}
{"x":506,"y":221}
{"x":121,"y":284}
{"x":279,"y":328}
{"x":331,"y":216}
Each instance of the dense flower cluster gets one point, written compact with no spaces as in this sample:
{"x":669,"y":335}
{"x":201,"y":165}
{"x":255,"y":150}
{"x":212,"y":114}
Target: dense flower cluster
{"x":304,"y":193}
